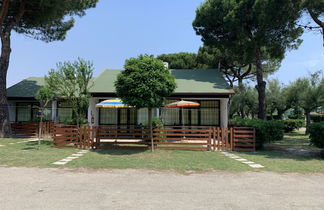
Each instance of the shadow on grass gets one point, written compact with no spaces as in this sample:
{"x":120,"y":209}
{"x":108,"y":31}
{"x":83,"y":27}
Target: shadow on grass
{"x":296,"y":134}
{"x":300,"y":155}
{"x":33,"y":145}
{"x":294,"y":139}
{"x":120,"y":151}
{"x":134,"y":150}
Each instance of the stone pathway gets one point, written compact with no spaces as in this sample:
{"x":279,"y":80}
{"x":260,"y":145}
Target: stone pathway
{"x":242,"y":160}
{"x":71,"y":157}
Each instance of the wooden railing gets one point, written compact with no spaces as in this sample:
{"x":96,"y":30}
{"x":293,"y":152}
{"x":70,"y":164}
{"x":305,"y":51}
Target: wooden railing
{"x":65,"y":136}
{"x":243,"y":139}
{"x":193,"y":138}
{"x":31,"y":129}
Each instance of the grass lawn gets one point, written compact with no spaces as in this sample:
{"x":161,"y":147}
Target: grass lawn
{"x":27,"y":153}
{"x":293,"y":154}
{"x":179,"y":160}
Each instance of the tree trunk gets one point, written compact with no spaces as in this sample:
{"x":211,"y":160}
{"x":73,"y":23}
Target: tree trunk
{"x":40,"y":129}
{"x":317,"y":21}
{"x":261,"y":85}
{"x":241,"y":88}
{"x":5,"y":130}
{"x":308,"y":120}
{"x":150,"y":127}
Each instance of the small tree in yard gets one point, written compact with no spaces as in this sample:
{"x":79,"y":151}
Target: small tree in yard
{"x":276,"y":99}
{"x":72,"y":81}
{"x":307,"y":93}
{"x":145,"y":83}
{"x":43,"y":96}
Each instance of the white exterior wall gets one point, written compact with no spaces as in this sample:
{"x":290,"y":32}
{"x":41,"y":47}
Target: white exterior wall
{"x":54,"y":111}
{"x":93,"y":111}
{"x":224,"y":112}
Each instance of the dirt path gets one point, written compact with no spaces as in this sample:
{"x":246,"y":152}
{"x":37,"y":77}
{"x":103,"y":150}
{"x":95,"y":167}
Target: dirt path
{"x":34,"y":188}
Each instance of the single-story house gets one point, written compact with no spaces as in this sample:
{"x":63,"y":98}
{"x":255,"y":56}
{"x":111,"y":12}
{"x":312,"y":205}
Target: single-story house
{"x":207,"y":87}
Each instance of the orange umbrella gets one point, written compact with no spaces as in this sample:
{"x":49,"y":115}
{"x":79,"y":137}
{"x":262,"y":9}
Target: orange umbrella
{"x":181,"y":104}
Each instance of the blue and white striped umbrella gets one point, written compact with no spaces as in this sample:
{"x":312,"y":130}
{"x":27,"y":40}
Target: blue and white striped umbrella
{"x":113,"y":103}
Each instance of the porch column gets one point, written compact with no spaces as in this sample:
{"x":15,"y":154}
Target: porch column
{"x":93,"y":112}
{"x":157,"y":113}
{"x":224,"y":112}
{"x":54,"y":111}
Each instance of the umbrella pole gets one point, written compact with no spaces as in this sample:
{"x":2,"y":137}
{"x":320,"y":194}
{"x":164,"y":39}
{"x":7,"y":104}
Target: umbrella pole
{"x":183,"y":122}
{"x":182,"y":116}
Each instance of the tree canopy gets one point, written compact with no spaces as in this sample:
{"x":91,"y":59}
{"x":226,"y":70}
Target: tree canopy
{"x":247,"y":28}
{"x":182,"y":60}
{"x":47,"y":20}
{"x":276,"y":99}
{"x":315,"y":8}
{"x":145,"y":83}
{"x":72,"y":81}
{"x":307,"y":93}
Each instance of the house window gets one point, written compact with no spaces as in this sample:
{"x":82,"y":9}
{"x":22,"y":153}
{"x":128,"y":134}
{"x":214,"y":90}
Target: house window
{"x":64,"y":111}
{"x":23,"y":112}
{"x":170,"y":116}
{"x":209,"y":112}
{"x":117,"y":116}
{"x":206,"y":114}
{"x":27,"y":111}
{"x":108,"y":116}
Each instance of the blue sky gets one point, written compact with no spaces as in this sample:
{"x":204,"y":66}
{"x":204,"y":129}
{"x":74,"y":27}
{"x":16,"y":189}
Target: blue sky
{"x":117,"y":30}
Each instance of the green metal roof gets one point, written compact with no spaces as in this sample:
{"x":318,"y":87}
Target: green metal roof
{"x":187,"y":80}
{"x":26,"y":88}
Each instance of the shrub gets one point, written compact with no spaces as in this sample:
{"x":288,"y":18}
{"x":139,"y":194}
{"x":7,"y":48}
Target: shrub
{"x":316,"y":134}
{"x":317,"y":117}
{"x":290,"y":124}
{"x":156,"y":123}
{"x":266,"y":130}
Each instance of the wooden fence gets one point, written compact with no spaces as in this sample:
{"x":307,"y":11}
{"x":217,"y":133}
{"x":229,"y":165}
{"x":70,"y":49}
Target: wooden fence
{"x":188,"y":138}
{"x":65,"y":136}
{"x":31,"y":129}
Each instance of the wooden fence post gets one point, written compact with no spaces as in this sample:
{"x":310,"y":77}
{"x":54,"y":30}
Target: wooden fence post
{"x":254,"y":140}
{"x":209,"y":140}
{"x":214,"y":138}
{"x":80,"y":136}
{"x":231,"y":138}
{"x":97,"y":138}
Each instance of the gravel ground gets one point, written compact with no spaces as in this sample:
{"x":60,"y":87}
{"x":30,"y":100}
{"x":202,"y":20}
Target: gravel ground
{"x":49,"y":188}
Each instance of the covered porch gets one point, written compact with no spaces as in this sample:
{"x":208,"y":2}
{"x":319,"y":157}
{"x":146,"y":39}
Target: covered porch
{"x":211,"y":112}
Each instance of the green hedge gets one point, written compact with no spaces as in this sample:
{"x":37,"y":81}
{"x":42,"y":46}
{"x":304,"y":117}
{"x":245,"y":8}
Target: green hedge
{"x":266,"y":130}
{"x":317,"y":117}
{"x":290,"y":124}
{"x":316,"y":134}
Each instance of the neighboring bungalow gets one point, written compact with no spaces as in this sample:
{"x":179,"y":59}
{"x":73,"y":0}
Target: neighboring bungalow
{"x":207,"y":87}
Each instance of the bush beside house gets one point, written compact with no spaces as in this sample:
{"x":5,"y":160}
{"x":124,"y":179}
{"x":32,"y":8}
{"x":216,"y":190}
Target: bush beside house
{"x":266,"y":131}
{"x":317,"y":117}
{"x":293,"y":124}
{"x":316,"y":134}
